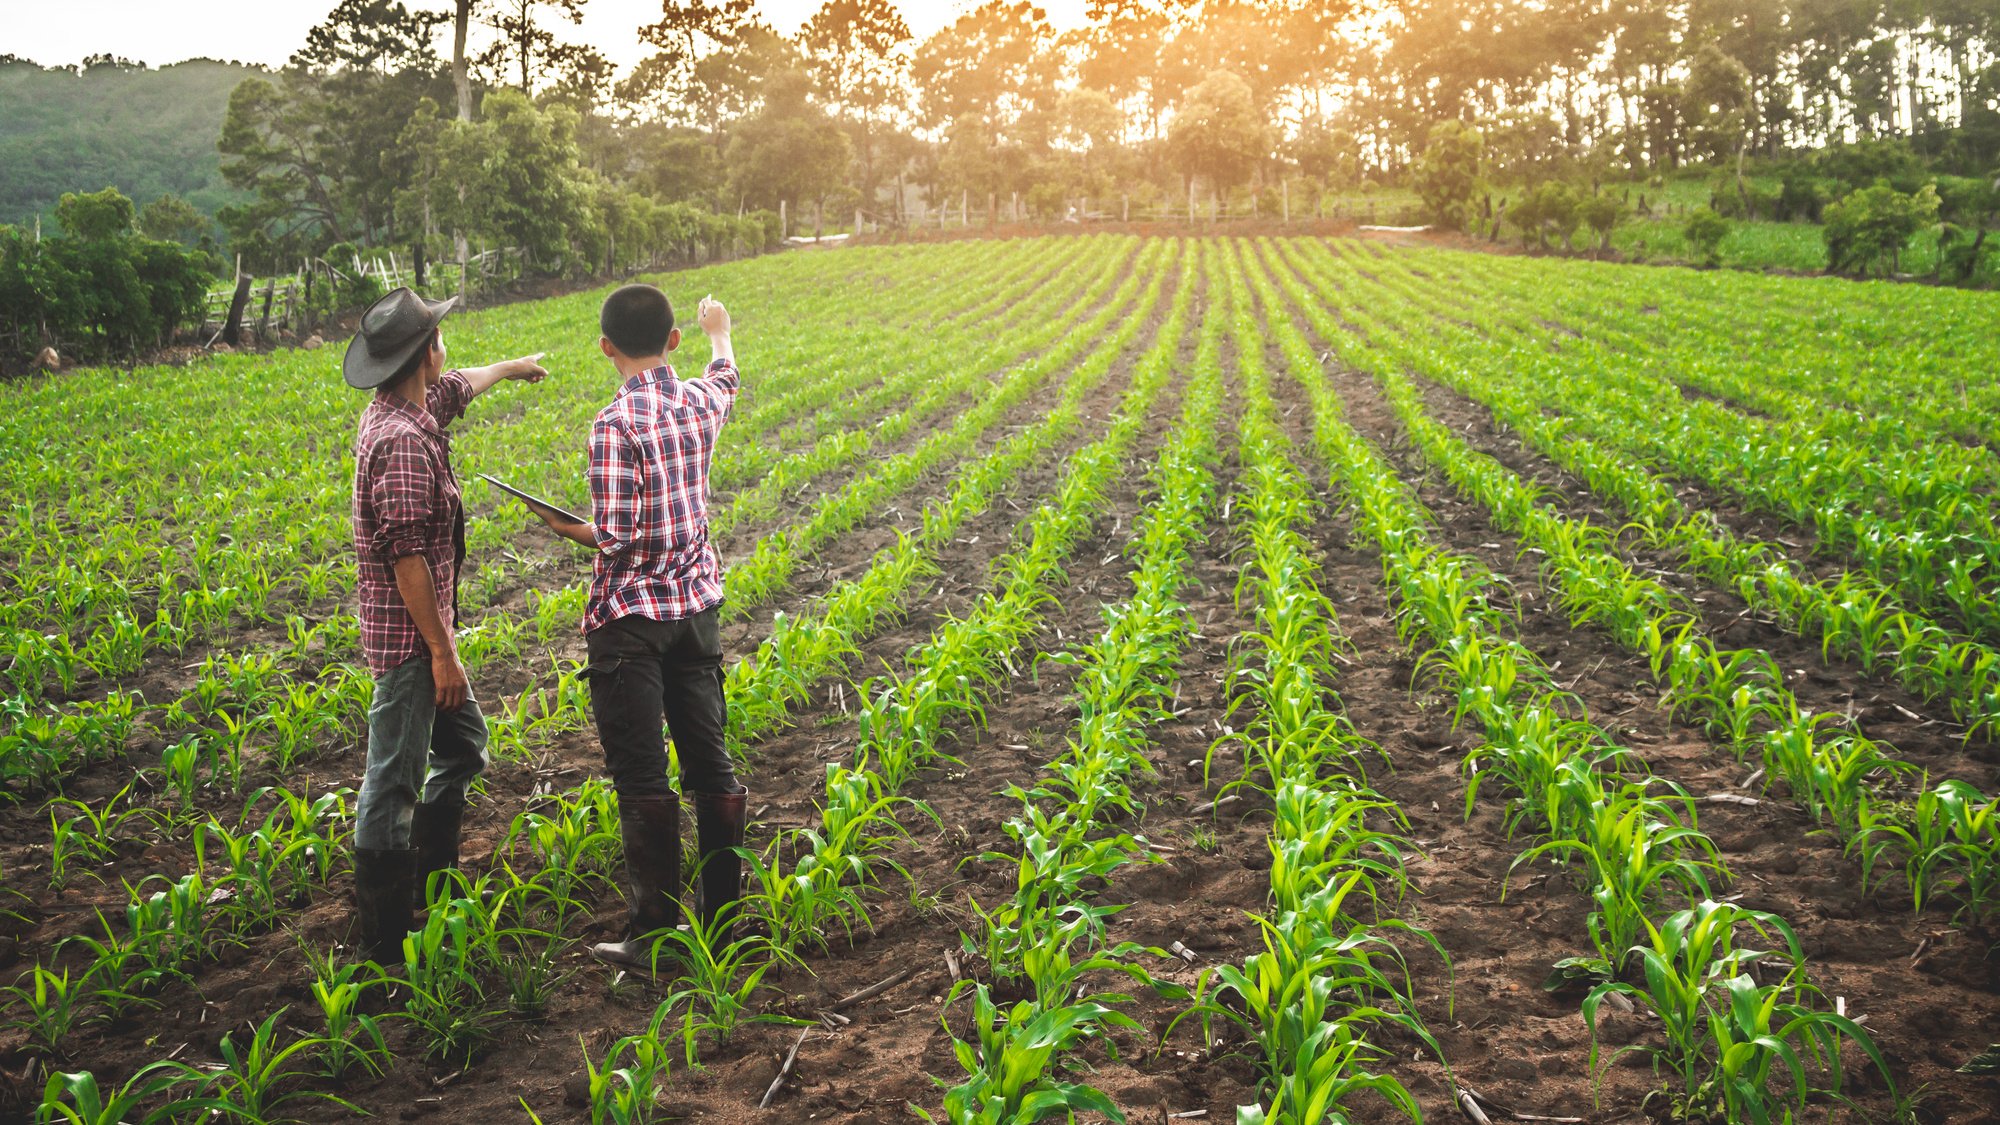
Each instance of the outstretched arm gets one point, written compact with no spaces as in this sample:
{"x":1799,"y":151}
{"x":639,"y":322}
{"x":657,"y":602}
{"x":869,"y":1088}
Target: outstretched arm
{"x":528,"y":367}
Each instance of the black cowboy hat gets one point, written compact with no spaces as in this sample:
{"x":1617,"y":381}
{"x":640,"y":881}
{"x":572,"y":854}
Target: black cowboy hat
{"x":392,"y":330}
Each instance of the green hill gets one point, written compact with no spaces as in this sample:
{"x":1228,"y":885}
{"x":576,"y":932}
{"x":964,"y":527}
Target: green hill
{"x":142,"y":131}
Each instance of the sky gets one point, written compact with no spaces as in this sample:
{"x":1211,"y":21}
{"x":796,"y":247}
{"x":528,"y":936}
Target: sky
{"x":268,"y":31}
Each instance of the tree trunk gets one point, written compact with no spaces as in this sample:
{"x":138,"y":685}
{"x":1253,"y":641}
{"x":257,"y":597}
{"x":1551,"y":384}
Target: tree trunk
{"x":461,"y":82}
{"x":1742,"y":195}
{"x":419,"y":263}
{"x":232,"y":328}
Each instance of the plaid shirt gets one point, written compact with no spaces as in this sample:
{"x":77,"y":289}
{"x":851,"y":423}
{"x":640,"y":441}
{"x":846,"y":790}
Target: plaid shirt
{"x":406,"y":502}
{"x":649,"y":456}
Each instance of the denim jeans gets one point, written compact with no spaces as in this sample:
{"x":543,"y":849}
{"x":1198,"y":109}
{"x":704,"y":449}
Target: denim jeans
{"x":411,"y":745}
{"x":644,"y":672}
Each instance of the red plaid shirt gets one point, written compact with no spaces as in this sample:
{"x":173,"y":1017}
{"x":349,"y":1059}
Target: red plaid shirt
{"x":406,"y":502}
{"x":649,"y":456}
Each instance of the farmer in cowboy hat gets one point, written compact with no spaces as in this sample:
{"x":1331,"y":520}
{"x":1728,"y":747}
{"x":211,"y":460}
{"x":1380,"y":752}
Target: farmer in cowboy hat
{"x":426,"y":737}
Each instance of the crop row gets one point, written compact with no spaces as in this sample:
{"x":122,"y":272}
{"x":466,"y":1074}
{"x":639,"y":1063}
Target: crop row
{"x":503,"y":920}
{"x":1947,"y":840}
{"x":176,"y":562}
{"x":1701,"y":967}
{"x":1878,"y":350}
{"x":1912,"y":511}
{"x":1330,"y":978}
{"x":1851,"y":613}
{"x":40,"y":743}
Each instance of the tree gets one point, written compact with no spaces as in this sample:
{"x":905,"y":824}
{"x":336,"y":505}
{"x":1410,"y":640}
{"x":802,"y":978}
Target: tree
{"x":1120,"y":51}
{"x":379,"y":35}
{"x":1970,"y":208}
{"x":98,"y":289}
{"x":1602,"y":213}
{"x":1553,"y":207}
{"x":522,"y":35}
{"x":788,"y":152}
{"x":98,"y":216}
{"x":1720,"y":107}
{"x":173,"y":219}
{"x":996,"y":62}
{"x":1870,"y":228}
{"x":524,"y":185}
{"x":855,"y":51}
{"x":1448,"y":173}
{"x":1704,"y":232}
{"x":1217,"y":132}
{"x":678,"y":37}
{"x":857,"y":54}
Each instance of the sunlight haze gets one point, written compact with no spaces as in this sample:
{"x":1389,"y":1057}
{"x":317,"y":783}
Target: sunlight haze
{"x":158,"y":32}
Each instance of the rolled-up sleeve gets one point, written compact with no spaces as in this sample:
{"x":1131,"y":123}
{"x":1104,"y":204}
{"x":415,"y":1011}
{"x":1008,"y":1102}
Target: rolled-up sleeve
{"x":719,"y":386}
{"x":614,"y":487}
{"x":449,"y":396}
{"x":403,"y":491}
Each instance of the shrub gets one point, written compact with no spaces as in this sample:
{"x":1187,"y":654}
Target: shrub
{"x":1868,"y":229}
{"x":1553,"y":208}
{"x":1447,"y":174}
{"x":98,"y":290}
{"x":1704,"y":232}
{"x":1602,"y":213}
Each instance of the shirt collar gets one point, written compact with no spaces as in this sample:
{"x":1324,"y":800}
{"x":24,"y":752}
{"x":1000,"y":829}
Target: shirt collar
{"x":650,"y":376}
{"x":396,"y":406}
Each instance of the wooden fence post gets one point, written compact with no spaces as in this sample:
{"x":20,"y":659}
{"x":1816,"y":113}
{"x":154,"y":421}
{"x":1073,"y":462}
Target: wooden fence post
{"x":264,"y":321}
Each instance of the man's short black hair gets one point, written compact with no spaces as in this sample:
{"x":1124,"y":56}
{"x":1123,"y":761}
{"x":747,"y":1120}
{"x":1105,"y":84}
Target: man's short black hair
{"x":637,"y":319}
{"x":411,"y":364}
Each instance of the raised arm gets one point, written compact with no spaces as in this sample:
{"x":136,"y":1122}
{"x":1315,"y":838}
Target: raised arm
{"x":714,"y":320}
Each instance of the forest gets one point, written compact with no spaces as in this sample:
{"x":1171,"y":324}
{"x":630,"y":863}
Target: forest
{"x":427,"y":129}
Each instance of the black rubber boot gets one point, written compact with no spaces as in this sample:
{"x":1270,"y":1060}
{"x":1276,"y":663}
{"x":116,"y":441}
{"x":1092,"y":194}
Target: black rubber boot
{"x":384,"y":896}
{"x":434,"y":832}
{"x":651,"y":827}
{"x":719,"y":821}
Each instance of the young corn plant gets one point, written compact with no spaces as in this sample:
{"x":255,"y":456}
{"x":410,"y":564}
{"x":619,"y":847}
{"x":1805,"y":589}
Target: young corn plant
{"x":1010,"y":1063}
{"x":718,"y":978}
{"x":625,"y":1088}
{"x":261,"y":1077}
{"x":48,"y":1006}
{"x":1950,"y":841}
{"x":76,"y":1098}
{"x":450,"y":1004}
{"x":1728,"y":1035}
{"x":353,"y":1036}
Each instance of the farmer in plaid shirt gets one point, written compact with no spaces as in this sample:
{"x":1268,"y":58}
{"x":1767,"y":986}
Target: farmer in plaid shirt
{"x":652,"y":626}
{"x":426,"y":737}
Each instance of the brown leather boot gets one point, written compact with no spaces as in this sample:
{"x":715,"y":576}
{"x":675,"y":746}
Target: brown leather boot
{"x":384,"y":893}
{"x":651,"y":827}
{"x":719,"y":822}
{"x":434,"y":833}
